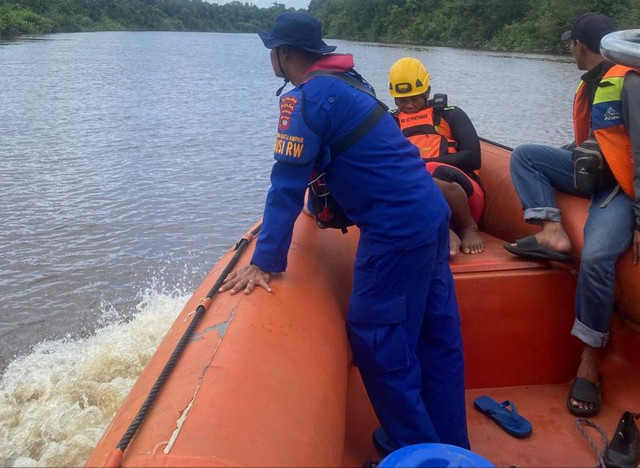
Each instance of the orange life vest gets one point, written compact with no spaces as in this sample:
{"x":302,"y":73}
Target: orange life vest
{"x":433,"y":139}
{"x":606,"y":123}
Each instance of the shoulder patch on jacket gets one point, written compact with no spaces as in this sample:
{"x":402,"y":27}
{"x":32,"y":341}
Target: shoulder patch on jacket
{"x":287,"y":106}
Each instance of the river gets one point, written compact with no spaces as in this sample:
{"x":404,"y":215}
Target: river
{"x":129,"y":162}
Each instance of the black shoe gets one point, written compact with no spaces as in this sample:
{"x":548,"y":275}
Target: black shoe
{"x":383,"y":442}
{"x":623,"y":450}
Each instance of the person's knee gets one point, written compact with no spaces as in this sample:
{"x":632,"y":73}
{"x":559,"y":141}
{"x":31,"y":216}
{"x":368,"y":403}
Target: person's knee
{"x":447,"y":188}
{"x":529,"y":152}
{"x":451,"y":189}
{"x":364,"y":329}
{"x":596,"y":260}
{"x":457,"y":188}
{"x":520,"y":153}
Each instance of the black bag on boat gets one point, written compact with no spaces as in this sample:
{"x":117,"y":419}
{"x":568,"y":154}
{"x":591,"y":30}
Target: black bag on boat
{"x":322,"y":204}
{"x":591,"y":173}
{"x":324,"y":207}
{"x":623,"y":450}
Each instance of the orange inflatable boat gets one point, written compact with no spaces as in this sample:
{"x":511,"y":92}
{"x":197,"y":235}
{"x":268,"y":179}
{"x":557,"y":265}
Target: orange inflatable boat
{"x":268,"y":380}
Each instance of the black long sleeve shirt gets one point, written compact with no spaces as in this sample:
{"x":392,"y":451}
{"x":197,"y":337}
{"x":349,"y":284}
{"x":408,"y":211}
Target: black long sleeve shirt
{"x":467,"y":156}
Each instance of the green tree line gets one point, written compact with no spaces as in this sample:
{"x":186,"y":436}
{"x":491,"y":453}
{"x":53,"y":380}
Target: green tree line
{"x":49,"y":16}
{"x":519,"y":25}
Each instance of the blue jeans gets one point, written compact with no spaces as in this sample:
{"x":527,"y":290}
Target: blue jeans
{"x":536,"y":171}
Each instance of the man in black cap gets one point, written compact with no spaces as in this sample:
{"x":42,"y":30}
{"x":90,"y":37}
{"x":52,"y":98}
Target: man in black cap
{"x":403,"y":323}
{"x":606,"y":127}
{"x":589,"y":29}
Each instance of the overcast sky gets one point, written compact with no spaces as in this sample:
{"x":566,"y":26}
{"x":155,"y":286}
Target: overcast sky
{"x":268,"y":3}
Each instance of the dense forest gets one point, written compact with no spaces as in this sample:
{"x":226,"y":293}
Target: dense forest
{"x":49,"y":16}
{"x":523,"y":25}
{"x":520,"y":25}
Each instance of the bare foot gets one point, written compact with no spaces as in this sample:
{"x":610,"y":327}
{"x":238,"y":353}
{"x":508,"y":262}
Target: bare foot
{"x":454,"y":243}
{"x":588,"y":370}
{"x":471,"y":242}
{"x":554,"y":237}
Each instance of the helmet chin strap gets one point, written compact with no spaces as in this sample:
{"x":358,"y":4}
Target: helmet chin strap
{"x":286,"y":78}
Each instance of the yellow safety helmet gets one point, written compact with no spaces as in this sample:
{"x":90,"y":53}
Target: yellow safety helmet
{"x":408,"y":77}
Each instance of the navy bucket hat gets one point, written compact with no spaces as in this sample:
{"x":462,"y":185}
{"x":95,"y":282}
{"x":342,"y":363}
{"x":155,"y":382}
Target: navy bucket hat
{"x":296,"y":29}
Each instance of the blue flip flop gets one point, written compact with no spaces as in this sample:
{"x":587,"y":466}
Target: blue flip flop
{"x":507,"y":419}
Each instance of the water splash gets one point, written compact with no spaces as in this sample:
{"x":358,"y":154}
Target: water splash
{"x":56,"y":401}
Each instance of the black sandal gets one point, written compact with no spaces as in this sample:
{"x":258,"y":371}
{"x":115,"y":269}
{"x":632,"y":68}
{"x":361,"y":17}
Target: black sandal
{"x":586,"y":392}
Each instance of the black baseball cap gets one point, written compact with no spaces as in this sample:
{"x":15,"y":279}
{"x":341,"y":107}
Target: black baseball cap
{"x":297,"y":29}
{"x":590,"y":28}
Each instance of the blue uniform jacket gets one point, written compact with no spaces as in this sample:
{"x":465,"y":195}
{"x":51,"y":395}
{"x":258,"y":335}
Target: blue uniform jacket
{"x":380,"y":181}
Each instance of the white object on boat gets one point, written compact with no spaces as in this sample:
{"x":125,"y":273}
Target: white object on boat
{"x":622,"y":47}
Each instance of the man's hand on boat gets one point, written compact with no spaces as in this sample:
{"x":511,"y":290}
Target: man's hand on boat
{"x":246,"y":278}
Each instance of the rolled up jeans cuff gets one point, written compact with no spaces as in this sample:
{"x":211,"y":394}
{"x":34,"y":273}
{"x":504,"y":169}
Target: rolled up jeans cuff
{"x":590,"y":337}
{"x":540,"y":215}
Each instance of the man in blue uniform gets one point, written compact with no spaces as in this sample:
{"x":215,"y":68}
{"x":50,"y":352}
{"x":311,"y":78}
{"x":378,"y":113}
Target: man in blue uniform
{"x":403,"y":323}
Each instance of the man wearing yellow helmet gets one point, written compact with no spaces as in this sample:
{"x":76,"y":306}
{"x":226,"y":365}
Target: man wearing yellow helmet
{"x":448,"y":144}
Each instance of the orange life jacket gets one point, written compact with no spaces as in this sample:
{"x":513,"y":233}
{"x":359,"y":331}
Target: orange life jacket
{"x":606,"y":123}
{"x":432,"y":138}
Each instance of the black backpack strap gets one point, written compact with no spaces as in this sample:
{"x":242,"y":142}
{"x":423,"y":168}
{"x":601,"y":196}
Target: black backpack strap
{"x":439,"y":102}
{"x":351,"y":80}
{"x":360,"y":131}
{"x":369,"y":121}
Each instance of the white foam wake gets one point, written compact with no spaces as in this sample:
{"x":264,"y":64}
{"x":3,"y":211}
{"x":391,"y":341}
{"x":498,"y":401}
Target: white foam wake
{"x":56,"y":401}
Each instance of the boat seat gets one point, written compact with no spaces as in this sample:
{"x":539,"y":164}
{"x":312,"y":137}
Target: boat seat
{"x":503,"y":218}
{"x":515,"y":313}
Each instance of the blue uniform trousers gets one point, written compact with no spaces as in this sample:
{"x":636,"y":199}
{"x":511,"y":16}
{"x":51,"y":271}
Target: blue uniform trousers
{"x":404,"y":330}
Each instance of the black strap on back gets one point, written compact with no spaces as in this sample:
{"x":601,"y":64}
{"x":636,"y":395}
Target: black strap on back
{"x":369,"y":121}
{"x":360,"y":131}
{"x":352,"y":80}
{"x":439,"y":102}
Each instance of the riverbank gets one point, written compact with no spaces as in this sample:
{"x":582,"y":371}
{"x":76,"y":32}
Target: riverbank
{"x":492,"y":25}
{"x":50,"y":16}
